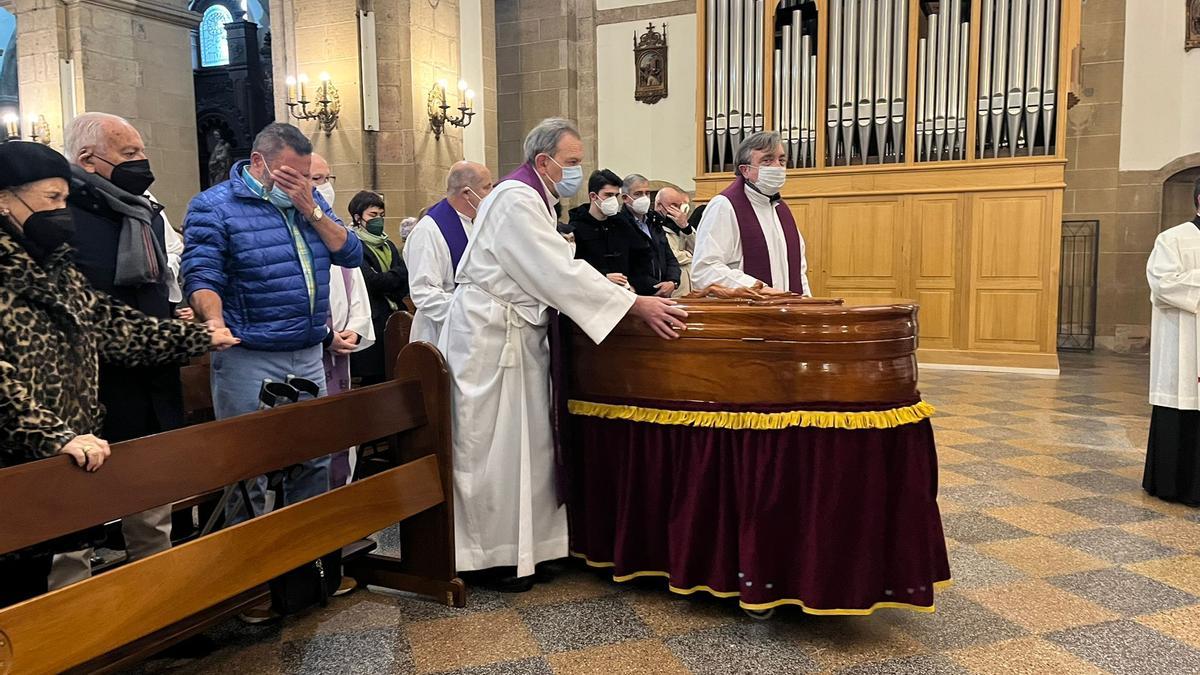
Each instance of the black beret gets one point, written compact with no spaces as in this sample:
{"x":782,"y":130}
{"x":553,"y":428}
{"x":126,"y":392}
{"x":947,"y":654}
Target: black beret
{"x":24,"y":162}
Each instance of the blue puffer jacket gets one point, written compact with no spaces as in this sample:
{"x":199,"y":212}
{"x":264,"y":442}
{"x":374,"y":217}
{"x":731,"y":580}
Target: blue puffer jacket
{"x":238,"y":245}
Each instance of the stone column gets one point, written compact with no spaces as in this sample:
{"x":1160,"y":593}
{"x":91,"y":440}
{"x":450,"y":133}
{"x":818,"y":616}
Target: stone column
{"x":416,"y":44}
{"x":131,"y":58}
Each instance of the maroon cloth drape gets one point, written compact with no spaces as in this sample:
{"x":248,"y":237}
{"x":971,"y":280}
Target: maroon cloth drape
{"x":834,"y":519}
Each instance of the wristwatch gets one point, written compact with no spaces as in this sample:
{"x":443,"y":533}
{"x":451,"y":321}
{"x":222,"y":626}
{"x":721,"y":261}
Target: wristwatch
{"x":316,"y":215}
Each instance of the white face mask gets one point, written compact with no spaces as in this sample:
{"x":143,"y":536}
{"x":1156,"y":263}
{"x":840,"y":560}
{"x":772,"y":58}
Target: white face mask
{"x":641,"y":205}
{"x":327,"y":192}
{"x":770,"y":179}
{"x":572,"y":178}
{"x":609,"y":207}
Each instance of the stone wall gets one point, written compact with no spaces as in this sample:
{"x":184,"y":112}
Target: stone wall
{"x":131,"y":59}
{"x":416,"y":44}
{"x":1095,"y":187}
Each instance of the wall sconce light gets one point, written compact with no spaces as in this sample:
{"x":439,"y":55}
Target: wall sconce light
{"x":438,"y":108}
{"x":12,"y":127}
{"x":39,"y":130}
{"x":330,"y":105}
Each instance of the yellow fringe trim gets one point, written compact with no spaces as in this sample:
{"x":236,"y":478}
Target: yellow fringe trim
{"x":870,"y":419}
{"x":760,"y":607}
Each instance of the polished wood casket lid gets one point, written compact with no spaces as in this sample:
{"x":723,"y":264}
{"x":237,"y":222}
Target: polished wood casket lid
{"x":757,"y":353}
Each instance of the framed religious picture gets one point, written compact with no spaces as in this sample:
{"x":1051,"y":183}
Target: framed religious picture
{"x":650,"y":65}
{"x":1192,"y":34}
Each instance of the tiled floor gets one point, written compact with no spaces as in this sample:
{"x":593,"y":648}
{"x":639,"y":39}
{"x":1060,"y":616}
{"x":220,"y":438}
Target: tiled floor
{"x":1061,"y":564}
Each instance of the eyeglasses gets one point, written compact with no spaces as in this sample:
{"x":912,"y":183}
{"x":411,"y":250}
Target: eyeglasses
{"x":318,"y":180}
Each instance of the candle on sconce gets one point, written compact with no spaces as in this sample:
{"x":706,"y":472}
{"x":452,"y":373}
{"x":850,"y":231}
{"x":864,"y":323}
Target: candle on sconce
{"x":462,"y":92}
{"x":12,"y":126}
{"x":470,"y":99}
{"x":442,"y":90}
{"x":324,"y":86}
{"x":291,"y":89}
{"x":300,"y":85}
{"x":33,"y":134}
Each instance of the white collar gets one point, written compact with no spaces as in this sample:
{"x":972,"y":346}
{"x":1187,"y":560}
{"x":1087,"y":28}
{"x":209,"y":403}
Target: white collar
{"x":757,"y":198}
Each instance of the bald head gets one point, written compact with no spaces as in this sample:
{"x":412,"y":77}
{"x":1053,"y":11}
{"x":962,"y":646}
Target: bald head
{"x":672,"y":203}
{"x":466,"y":186}
{"x":96,"y":142}
{"x":320,"y":170}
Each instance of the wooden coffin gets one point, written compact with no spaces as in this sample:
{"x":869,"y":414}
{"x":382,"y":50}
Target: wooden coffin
{"x":749,"y":353}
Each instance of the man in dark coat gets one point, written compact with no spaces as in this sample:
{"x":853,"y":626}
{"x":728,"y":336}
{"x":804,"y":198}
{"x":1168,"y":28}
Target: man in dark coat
{"x":109,"y":178}
{"x":660,"y":273}
{"x":602,"y":238}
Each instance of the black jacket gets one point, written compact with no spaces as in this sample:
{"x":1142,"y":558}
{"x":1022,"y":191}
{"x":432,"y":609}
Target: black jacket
{"x":610,"y":245}
{"x":382,"y":285}
{"x":660,"y":264}
{"x":139,"y":400}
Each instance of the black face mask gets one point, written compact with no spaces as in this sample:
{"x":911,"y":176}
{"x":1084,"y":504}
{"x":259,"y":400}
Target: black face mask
{"x":45,"y":231}
{"x":134,"y":176}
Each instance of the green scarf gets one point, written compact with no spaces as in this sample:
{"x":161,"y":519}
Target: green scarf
{"x":378,"y":243}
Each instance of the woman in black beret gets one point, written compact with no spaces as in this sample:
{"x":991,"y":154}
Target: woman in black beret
{"x":53,"y":329}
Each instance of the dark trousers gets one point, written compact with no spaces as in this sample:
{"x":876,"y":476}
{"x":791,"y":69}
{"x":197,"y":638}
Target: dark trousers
{"x":24,"y":577}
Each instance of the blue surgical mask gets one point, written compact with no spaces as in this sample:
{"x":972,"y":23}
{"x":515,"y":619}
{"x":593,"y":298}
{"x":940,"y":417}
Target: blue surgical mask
{"x":279,"y":198}
{"x":571,"y":181}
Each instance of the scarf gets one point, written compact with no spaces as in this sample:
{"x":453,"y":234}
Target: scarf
{"x":141,"y":257}
{"x":378,"y":243}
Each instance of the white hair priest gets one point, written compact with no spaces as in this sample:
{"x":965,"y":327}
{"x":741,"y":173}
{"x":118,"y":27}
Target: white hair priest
{"x":747,"y":237}
{"x":514,"y":272}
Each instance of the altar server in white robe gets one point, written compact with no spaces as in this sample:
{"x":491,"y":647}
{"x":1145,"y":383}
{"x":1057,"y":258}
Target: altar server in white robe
{"x":350,"y":330}
{"x":748,"y":236}
{"x":1173,"y":456}
{"x":515,"y":271}
{"x":435,"y":246}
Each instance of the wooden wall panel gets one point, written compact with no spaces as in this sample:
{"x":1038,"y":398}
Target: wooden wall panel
{"x":867,"y":243}
{"x":936,"y":227}
{"x":1010,"y":270}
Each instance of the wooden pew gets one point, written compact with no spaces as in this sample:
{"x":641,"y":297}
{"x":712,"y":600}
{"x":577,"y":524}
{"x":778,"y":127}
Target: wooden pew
{"x":148,"y":605}
{"x":395,"y":337}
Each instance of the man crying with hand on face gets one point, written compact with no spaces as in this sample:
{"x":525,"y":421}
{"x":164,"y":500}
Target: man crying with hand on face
{"x":257,"y":259}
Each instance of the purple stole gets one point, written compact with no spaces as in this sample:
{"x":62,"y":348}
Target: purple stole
{"x":337,"y":380}
{"x":449,"y":222}
{"x":756,"y":260}
{"x":525,"y":174}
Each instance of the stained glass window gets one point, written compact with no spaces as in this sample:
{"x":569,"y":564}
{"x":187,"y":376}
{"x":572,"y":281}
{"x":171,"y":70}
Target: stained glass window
{"x":214,"y":46}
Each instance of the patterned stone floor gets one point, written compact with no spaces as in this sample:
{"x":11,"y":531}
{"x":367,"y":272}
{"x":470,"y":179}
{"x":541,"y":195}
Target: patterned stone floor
{"x":1062,"y":565}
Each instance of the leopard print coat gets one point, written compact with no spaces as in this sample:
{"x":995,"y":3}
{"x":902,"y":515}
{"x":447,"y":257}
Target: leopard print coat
{"x":54,"y":328}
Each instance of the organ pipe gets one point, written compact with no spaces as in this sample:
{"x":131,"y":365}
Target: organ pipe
{"x":866,"y":95}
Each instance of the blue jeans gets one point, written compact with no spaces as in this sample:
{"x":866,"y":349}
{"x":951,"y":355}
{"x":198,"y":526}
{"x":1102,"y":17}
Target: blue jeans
{"x":237,"y":377}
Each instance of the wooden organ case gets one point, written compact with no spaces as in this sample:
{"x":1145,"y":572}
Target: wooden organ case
{"x":926,"y":147}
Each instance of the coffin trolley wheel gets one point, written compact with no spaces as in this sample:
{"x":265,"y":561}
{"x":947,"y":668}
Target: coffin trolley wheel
{"x":760,"y":614}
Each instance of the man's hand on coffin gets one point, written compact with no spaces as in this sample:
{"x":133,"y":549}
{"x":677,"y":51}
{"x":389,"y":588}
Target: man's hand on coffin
{"x":185,"y":314}
{"x":660,"y":314}
{"x":768,"y":290}
{"x":665,"y":289}
{"x":88,"y":451}
{"x":618,"y":278}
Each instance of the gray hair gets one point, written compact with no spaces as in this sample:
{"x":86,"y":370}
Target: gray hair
{"x":545,"y":137}
{"x":631,"y":180}
{"x":276,"y":136}
{"x":87,"y":131}
{"x":765,"y":141}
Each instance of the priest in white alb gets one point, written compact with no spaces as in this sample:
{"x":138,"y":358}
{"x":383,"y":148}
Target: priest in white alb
{"x":747,"y":236}
{"x":435,"y":247}
{"x":1173,"y":271}
{"x":516,"y":270}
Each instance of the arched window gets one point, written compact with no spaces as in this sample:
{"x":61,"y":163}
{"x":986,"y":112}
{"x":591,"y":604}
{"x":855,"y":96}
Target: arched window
{"x":214,"y":46}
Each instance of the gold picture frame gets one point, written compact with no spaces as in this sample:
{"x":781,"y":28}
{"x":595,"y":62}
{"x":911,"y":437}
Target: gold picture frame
{"x":650,"y":65}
